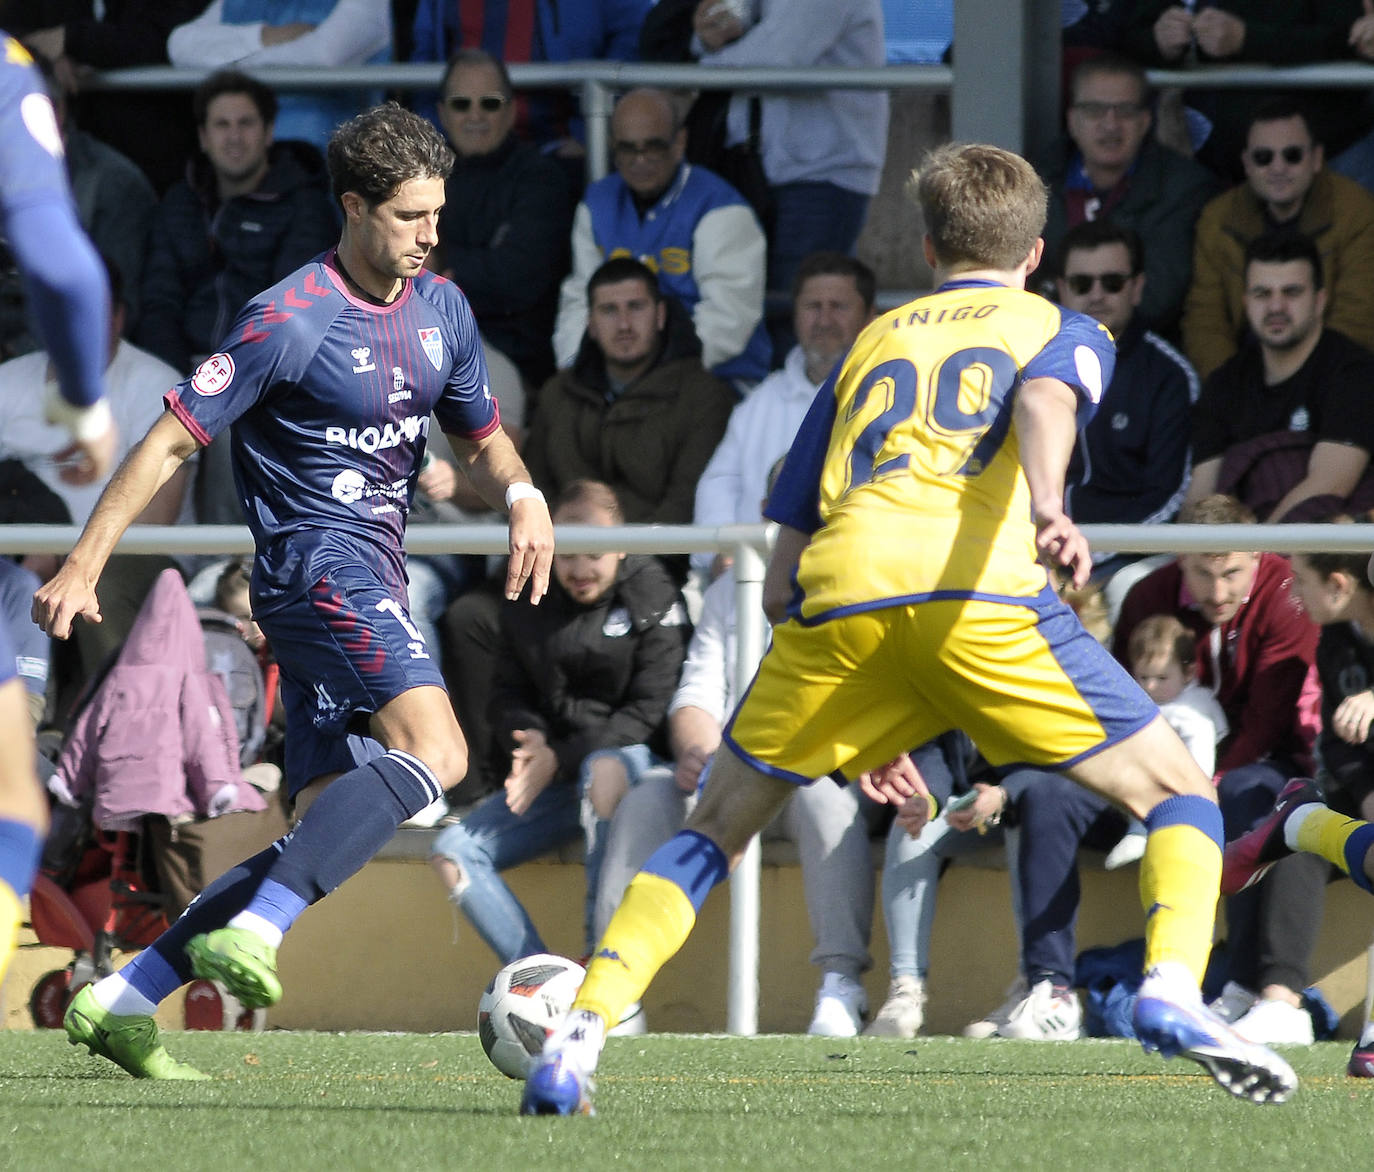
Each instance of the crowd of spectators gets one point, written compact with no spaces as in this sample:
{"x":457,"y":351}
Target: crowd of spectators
{"x":654,"y":340}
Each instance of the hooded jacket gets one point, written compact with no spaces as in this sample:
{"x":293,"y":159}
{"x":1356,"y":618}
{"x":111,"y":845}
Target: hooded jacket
{"x":207,"y":258}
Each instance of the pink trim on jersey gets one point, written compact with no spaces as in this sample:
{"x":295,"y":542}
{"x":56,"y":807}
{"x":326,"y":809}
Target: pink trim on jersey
{"x":174,"y":404}
{"x":490,"y":427}
{"x":341,"y":285}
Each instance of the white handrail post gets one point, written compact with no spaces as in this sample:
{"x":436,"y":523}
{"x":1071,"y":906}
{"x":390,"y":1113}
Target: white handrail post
{"x":742,"y":1008}
{"x":596,"y":114}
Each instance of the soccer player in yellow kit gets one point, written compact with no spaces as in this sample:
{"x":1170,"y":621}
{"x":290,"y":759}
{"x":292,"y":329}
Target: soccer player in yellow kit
{"x":919,"y":504}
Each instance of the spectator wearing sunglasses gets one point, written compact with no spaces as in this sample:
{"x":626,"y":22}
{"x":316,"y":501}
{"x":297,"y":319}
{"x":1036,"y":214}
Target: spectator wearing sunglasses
{"x":1286,"y":189}
{"x":1287,"y":424}
{"x":503,"y":236}
{"x":1130,"y":465}
{"x":690,"y":227}
{"x":1110,"y":167}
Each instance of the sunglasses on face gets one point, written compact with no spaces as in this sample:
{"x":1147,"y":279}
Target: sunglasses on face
{"x":487,"y":103}
{"x":650,"y":148}
{"x":1263,"y":156}
{"x":1082,"y":283}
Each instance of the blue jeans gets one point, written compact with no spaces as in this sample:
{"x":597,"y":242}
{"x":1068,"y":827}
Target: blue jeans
{"x":1056,"y":817}
{"x":491,"y":839}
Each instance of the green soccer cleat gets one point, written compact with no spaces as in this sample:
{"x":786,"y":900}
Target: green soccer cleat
{"x":130,"y":1042}
{"x":241,"y":961}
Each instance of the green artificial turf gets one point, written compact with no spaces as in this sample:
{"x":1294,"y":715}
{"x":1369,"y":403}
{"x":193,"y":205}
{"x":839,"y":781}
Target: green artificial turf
{"x":411,"y":1101}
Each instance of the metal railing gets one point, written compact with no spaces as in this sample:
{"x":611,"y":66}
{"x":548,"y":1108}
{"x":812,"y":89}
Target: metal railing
{"x":748,"y":544}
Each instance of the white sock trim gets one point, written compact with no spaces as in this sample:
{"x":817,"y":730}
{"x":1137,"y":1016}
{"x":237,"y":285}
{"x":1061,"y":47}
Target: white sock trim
{"x":115,"y":995}
{"x":423,"y":773}
{"x":252,"y":922}
{"x":1294,"y":821}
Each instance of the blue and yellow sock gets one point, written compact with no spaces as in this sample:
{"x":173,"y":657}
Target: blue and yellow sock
{"x":20,"y":846}
{"x":655,"y":917}
{"x":1180,"y":876}
{"x":1339,"y":840}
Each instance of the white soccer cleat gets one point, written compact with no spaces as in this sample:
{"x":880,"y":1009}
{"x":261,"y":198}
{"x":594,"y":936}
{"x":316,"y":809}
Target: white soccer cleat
{"x":986,"y":1027}
{"x":1173,"y":1020}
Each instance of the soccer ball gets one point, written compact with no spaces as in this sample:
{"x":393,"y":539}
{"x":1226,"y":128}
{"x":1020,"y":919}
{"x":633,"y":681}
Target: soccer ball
{"x":521,"y":1007}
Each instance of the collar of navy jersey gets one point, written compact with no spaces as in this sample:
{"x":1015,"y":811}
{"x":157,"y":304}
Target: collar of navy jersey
{"x":340,"y":282}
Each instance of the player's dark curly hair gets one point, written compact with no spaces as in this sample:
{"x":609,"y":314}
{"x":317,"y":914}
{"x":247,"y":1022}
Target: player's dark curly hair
{"x":374,"y":153}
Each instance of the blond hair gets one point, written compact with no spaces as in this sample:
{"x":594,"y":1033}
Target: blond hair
{"x":984,"y":207}
{"x":1162,"y":637}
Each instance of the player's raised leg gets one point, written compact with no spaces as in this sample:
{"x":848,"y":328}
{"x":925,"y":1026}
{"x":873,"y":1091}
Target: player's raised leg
{"x":654,"y":919}
{"x":1300,"y":821}
{"x":1152,"y":775}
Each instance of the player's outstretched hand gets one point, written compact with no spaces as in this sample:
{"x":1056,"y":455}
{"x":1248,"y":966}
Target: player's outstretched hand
{"x":62,"y":598}
{"x":1061,"y":544}
{"x":531,"y":549}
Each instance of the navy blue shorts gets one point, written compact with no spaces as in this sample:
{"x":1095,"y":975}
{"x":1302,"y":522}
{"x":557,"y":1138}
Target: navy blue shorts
{"x":345,"y":648}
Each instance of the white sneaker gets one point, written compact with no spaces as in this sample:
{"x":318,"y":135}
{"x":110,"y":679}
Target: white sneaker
{"x":1275,"y":1023}
{"x":903,"y":1011}
{"x":428,"y":817}
{"x":841,"y":1006}
{"x":1128,"y":850}
{"x":1234,"y":1002}
{"x":985,"y":1027}
{"x":1045,"y":1016}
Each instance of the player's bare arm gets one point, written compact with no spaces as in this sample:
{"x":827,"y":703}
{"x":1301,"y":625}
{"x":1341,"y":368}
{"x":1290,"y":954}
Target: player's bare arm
{"x":777,"y":579}
{"x":493,"y":466}
{"x":147,"y":467}
{"x":1046,"y":419}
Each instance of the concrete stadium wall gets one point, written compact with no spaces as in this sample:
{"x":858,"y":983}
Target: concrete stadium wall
{"x":381,"y":953}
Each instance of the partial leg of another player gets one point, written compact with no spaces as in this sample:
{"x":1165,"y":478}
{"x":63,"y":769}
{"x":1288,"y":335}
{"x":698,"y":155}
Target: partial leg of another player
{"x":1301,"y":821}
{"x":23,"y":814}
{"x":654,"y":919}
{"x":1154,"y":778}
{"x":230,"y":933}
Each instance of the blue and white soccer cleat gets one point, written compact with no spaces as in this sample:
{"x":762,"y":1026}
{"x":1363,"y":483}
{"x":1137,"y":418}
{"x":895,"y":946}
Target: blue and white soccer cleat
{"x":1187,"y":1028}
{"x":557,"y":1085}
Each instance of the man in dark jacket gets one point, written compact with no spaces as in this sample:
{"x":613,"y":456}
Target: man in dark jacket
{"x":593,"y":667}
{"x":248,"y":212}
{"x":637,"y":409}
{"x":504,"y":234}
{"x":1111,"y":169}
{"x":1131,"y":462}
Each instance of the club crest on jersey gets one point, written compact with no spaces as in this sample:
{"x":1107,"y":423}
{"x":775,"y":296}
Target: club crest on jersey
{"x":213,"y":375}
{"x":362,"y":355}
{"x":433,"y":343}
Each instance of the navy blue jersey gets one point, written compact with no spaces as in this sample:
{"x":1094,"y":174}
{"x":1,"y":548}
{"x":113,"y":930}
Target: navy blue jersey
{"x":31,"y":167}
{"x":330,"y":397}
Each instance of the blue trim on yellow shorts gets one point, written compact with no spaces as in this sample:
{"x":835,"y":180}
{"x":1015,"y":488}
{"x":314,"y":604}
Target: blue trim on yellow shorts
{"x":1032,"y":601}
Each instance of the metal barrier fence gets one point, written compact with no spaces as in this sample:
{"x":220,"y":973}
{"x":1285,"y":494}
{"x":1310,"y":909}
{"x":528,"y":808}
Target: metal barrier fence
{"x":749,"y":544}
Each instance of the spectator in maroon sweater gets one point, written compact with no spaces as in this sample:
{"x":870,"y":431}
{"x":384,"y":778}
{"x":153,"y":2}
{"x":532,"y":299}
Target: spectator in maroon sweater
{"x":1255,"y":650}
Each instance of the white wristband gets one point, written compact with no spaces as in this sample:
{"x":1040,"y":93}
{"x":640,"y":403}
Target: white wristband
{"x":522,"y":491}
{"x":85,"y":423}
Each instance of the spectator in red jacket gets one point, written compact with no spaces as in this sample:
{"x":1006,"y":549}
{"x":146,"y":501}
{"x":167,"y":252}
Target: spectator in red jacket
{"x":1255,"y":650}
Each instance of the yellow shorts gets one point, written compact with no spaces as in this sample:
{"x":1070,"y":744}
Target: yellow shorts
{"x":1023,"y":680}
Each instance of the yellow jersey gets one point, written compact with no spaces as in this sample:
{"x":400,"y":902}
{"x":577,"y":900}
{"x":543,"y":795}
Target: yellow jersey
{"x":906,"y":470}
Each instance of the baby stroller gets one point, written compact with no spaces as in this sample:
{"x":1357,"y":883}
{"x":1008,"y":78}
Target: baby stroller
{"x":151,"y":799}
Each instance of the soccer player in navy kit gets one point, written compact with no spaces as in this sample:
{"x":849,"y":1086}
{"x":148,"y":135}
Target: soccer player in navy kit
{"x":329,"y":378}
{"x":65,"y":285}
